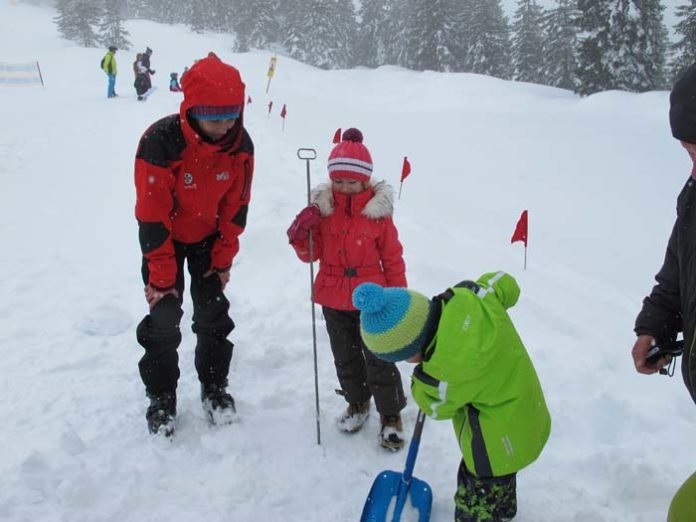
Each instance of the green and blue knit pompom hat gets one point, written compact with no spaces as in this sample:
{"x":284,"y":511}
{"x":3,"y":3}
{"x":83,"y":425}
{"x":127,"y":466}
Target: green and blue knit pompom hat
{"x":394,"y":322}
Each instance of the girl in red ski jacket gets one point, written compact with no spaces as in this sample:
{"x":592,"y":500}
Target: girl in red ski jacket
{"x":193,"y":174}
{"x":355,"y":240}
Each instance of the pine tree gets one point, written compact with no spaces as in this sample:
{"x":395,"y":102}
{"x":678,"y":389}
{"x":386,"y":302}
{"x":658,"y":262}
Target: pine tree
{"x":487,"y":42}
{"x":434,"y":37}
{"x":560,"y":65}
{"x":377,"y":38}
{"x":684,"y":49}
{"x":399,"y":24}
{"x":321,"y":32}
{"x":163,"y":11}
{"x":655,"y":44}
{"x":257,"y":25}
{"x":65,"y":19}
{"x":527,"y":43}
{"x":199,"y":16}
{"x":111,"y":30}
{"x":77,"y":19}
{"x":594,"y":73}
{"x":222,"y":13}
{"x":625,"y":45}
{"x":638,"y":41}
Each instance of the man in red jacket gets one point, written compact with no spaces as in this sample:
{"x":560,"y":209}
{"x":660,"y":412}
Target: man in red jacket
{"x":193,"y":173}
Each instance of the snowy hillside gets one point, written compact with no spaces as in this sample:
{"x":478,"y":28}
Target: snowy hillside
{"x":598,"y":175}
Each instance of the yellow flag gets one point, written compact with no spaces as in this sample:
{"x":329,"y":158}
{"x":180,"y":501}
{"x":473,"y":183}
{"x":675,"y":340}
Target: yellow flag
{"x":271,"y":66}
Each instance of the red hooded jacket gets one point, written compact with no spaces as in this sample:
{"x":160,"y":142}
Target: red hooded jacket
{"x":188,"y":188}
{"x":356,"y":242}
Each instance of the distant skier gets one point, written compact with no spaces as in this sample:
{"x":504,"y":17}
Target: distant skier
{"x":141,"y":84}
{"x":472,"y":368}
{"x":145,"y":63}
{"x":108,"y":65}
{"x":193,"y":173}
{"x":174,"y":82}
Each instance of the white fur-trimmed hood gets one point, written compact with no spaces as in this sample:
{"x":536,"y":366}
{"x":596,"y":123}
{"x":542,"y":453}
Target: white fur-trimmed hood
{"x":381,"y":205}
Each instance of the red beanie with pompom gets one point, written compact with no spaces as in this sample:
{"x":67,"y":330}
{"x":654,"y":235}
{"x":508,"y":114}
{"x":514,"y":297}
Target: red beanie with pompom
{"x":350,"y":159}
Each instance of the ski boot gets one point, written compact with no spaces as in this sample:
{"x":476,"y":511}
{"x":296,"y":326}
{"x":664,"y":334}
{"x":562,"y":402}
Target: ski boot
{"x":354,"y":417}
{"x":218,"y":404}
{"x":391,"y":436}
{"x":161,"y":414}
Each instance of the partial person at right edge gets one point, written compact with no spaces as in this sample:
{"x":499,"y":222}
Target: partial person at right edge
{"x":671,"y":306}
{"x":193,"y":174}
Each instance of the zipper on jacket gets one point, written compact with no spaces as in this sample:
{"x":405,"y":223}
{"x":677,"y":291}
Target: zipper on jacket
{"x":247,"y":182}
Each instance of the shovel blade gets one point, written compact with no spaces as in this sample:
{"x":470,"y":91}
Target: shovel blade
{"x":391,"y":497}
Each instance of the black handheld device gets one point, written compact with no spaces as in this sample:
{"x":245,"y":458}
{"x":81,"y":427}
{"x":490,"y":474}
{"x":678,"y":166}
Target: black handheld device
{"x":673,"y":348}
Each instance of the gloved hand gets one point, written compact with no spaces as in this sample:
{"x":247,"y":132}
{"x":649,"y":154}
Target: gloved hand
{"x":152,"y":71}
{"x":224,"y":275}
{"x":153,"y":295}
{"x":307,"y":219}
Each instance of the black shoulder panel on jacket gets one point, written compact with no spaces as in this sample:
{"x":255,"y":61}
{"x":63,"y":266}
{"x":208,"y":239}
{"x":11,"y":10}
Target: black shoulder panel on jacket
{"x":240,"y":218}
{"x":151,"y":235}
{"x":162,"y":142}
{"x":245,"y":145}
{"x":469,"y":285}
{"x":419,"y":374}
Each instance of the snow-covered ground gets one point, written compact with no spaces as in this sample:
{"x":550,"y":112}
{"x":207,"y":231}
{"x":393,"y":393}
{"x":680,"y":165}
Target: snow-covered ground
{"x":598,"y":175}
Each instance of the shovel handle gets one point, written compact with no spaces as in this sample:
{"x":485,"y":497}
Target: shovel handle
{"x":413,"y":448}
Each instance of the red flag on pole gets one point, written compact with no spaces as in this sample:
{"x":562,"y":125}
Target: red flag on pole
{"x":337,"y":136}
{"x":520,"y":233}
{"x":405,"y":169}
{"x":283,"y":112}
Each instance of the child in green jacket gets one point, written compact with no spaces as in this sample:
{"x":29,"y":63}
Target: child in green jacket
{"x":472,"y":368}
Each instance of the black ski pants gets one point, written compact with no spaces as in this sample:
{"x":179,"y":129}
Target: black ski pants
{"x":159,"y":331}
{"x":360,"y":373}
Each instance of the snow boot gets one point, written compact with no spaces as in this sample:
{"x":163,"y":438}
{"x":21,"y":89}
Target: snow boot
{"x":218,"y":404}
{"x":391,"y":436}
{"x":161,"y":414}
{"x":354,"y":417}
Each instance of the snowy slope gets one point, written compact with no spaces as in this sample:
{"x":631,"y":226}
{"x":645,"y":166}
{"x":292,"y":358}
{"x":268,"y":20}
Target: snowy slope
{"x":599,"y":176}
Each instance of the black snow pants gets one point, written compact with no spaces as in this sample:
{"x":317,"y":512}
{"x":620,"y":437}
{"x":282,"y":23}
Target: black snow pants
{"x":360,"y":373}
{"x":489,"y":499}
{"x":159,"y":331}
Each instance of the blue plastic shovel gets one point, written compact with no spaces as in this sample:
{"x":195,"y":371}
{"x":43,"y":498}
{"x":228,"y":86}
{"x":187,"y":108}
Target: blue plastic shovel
{"x":390,"y":490}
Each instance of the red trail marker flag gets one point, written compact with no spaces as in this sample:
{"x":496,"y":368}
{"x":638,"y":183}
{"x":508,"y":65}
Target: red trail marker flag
{"x":520,"y":233}
{"x":337,"y":136}
{"x":283,"y":112}
{"x":405,"y":171}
